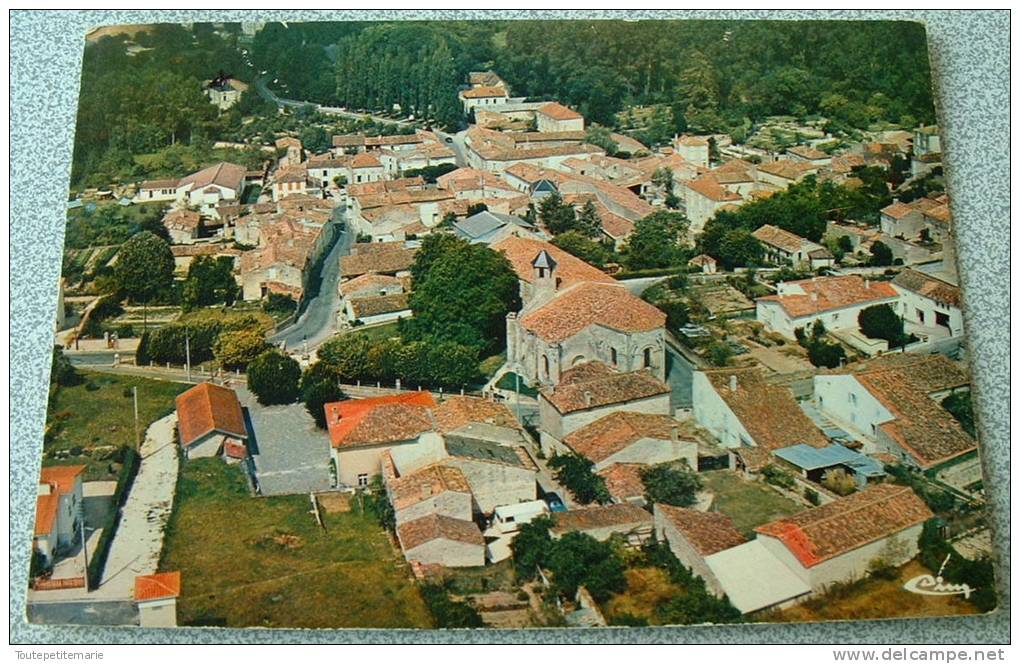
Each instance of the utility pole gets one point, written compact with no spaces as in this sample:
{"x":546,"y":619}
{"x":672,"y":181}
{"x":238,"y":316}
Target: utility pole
{"x":138,"y":441}
{"x":84,"y":548}
{"x":517,"y":392}
{"x":187,"y":351}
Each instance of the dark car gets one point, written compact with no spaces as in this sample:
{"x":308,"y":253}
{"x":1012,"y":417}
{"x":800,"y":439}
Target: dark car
{"x":554,"y":502}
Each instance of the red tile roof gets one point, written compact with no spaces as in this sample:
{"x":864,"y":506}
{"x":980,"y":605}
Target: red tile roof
{"x":457,"y":411}
{"x":558,"y":111}
{"x":157,"y":586}
{"x":413,"y":534}
{"x":224,"y":174}
{"x":46,"y":512}
{"x":62,"y":477}
{"x":608,"y":435}
{"x":621,"y":515}
{"x":928,"y":286}
{"x":593,"y":385}
{"x":768,"y":412}
{"x":365,"y":160}
{"x":898,"y":210}
{"x":570,"y":269}
{"x":708,"y":532}
{"x":845,"y":524}
{"x":710,"y":188}
{"x":781,"y":239}
{"x":828,"y":293}
{"x":623,"y":480}
{"x":586,"y":304}
{"x":426,"y":483}
{"x":206,"y":408}
{"x":377,"y":420}
{"x":483,"y":91}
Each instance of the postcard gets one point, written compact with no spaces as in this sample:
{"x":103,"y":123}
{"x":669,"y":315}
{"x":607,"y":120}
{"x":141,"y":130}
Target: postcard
{"x":506,"y":323}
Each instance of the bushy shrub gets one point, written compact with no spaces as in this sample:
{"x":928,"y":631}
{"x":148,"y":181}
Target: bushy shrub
{"x":273,"y":378}
{"x":778,"y":477}
{"x":575,"y":472}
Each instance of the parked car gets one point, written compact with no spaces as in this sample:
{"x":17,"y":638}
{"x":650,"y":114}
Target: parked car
{"x":554,"y":502}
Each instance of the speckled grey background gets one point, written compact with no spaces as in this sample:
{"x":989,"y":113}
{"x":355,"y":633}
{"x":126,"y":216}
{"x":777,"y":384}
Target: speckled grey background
{"x":970,"y":63}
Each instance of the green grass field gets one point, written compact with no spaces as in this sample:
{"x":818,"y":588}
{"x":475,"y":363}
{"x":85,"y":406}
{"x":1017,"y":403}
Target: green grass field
{"x":98,"y":413}
{"x":748,"y":503}
{"x":264,"y":562}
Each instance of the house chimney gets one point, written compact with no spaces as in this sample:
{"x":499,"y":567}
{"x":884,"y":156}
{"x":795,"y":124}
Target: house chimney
{"x":814,"y":296}
{"x":733,"y":382}
{"x":587,"y":399}
{"x":867,"y":284}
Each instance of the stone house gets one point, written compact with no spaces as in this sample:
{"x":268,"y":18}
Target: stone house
{"x":693,"y":149}
{"x":693,"y":535}
{"x":782,"y":246}
{"x":561,"y":326}
{"x":482,"y":96}
{"x":603,"y":521}
{"x":183,"y":225}
{"x":554,"y":117}
{"x":703,"y":197}
{"x":208,"y":417}
{"x":707,"y":264}
{"x":436,"y":539}
{"x":928,"y":304}
{"x":224,"y":92}
{"x":590,"y":391}
{"x":435,"y":489}
{"x":497,"y":474}
{"x":633,"y":437}
{"x":808,"y":155}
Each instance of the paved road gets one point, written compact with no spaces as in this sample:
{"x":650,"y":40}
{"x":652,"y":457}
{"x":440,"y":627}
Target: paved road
{"x":83,"y":613}
{"x":318,"y":322}
{"x":457,"y":145}
{"x":263,"y":89}
{"x":680,"y":377}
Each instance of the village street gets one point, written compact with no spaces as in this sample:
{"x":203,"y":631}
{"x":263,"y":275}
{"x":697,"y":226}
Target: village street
{"x":136,"y":546}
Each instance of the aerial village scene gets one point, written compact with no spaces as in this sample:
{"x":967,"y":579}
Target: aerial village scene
{"x":508,"y":324}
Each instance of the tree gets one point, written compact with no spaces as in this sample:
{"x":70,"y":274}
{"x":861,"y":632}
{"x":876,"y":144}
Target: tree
{"x":959,"y":406}
{"x":315,"y":139}
{"x":575,"y":243}
{"x":475,"y":208}
{"x":575,"y":472}
{"x":210,"y":281}
{"x":589,"y":223}
{"x":656,"y":241}
{"x":462,"y":293}
{"x":347,"y":356}
{"x":145,"y":267}
{"x":670,"y":483}
{"x":719,"y":353}
{"x":531,"y":546}
{"x":881,"y":254}
{"x":601,"y":137}
{"x":320,"y":385}
{"x":824,"y":354}
{"x":578,"y":559}
{"x":273,"y":378}
{"x":880,"y":321}
{"x":235,"y":349}
{"x":557,"y":216}
{"x":62,"y":372}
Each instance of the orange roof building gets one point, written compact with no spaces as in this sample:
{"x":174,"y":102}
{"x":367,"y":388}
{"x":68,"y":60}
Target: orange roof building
{"x":57,"y":508}
{"x":832,"y":533}
{"x":209,"y":415}
{"x":835,"y":301}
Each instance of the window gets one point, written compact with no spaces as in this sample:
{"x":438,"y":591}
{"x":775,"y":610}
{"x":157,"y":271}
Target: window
{"x":545,"y":365}
{"x":363,"y":479}
{"x":612,"y":356}
{"x":853,"y":399}
{"x":648,"y":357}
{"x":920,"y":316}
{"x":941,"y":319}
{"x":874,"y":429}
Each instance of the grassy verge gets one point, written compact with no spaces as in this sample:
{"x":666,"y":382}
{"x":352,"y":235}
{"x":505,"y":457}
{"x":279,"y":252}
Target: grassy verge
{"x":748,"y":503}
{"x":265,"y":562}
{"x":88,"y":423}
{"x":647,"y":589}
{"x":378,"y":332}
{"x":872,"y":598}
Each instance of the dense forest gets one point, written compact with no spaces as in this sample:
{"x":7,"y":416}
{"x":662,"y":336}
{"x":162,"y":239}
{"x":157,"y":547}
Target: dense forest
{"x":713,"y":74}
{"x":697,"y":75}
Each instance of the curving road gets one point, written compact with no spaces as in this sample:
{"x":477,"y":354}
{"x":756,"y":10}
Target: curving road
{"x":263,"y":89}
{"x":318,"y":321}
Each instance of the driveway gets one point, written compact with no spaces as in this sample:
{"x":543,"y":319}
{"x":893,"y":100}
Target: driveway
{"x":83,"y":613}
{"x":318,"y":321}
{"x":291,"y":453}
{"x":139,"y":539}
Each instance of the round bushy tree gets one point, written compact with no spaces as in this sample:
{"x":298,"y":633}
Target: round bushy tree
{"x":320,"y":385}
{"x":145,"y":267}
{"x":273,"y":378}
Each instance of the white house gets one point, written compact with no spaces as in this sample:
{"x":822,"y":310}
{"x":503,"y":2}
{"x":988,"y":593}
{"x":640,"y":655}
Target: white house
{"x":156,"y":598}
{"x":929,"y":304}
{"x":750,"y":416}
{"x":207,"y":188}
{"x":837,"y":542}
{"x":482,"y":96}
{"x":209,"y":416}
{"x":693,"y":149}
{"x":703,"y":197}
{"x":835,"y":301}
{"x":365,"y":167}
{"x":224,"y":91}
{"x":157,"y":190}
{"x":893,"y":403}
{"x":58,"y":510}
{"x":433,"y":489}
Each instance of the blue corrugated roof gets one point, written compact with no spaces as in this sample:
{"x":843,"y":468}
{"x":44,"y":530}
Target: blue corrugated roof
{"x":812,"y":458}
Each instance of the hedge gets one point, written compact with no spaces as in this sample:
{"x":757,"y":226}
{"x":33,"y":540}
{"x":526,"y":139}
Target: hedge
{"x":130,"y":461}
